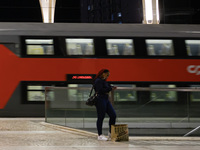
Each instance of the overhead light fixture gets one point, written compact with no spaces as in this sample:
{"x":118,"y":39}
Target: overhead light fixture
{"x":48,"y":10}
{"x":151,"y":12}
{"x":157,"y":12}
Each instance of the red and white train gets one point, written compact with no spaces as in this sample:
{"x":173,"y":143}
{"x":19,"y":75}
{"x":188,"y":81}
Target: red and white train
{"x":35,"y":55}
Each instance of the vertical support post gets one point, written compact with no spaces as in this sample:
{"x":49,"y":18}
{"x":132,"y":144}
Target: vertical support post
{"x":188,"y":106}
{"x":151,"y":12}
{"x":48,"y":10}
{"x":46,"y":104}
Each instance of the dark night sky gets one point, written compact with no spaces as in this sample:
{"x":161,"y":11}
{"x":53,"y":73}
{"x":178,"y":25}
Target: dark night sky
{"x":171,"y":11}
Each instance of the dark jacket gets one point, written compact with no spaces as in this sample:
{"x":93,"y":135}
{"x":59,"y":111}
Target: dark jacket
{"x":102,"y":87}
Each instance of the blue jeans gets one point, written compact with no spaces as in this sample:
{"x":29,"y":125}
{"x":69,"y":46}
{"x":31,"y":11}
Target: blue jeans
{"x":104,"y":106}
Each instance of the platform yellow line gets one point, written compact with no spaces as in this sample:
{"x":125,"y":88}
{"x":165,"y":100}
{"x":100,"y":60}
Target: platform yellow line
{"x":68,"y":129}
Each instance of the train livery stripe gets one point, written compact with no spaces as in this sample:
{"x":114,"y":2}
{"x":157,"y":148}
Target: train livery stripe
{"x":15,"y":69}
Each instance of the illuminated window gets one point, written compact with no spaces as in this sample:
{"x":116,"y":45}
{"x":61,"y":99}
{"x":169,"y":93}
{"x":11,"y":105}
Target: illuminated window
{"x":163,"y":95}
{"x":79,"y":93}
{"x":193,"y":47}
{"x":80,"y":46}
{"x":120,"y":47}
{"x":39,"y":47}
{"x":195,"y":96}
{"x":157,"y":47}
{"x":35,"y":93}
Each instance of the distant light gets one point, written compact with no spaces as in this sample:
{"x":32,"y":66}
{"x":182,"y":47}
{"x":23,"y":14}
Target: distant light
{"x":112,"y":17}
{"x":89,"y":7}
{"x":157,"y":12}
{"x":82,"y":77}
{"x":119,"y":14}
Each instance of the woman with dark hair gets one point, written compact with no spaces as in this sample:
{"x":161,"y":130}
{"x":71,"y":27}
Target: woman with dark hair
{"x":103,"y":106}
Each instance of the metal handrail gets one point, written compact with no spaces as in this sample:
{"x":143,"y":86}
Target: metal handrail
{"x":183,"y":89}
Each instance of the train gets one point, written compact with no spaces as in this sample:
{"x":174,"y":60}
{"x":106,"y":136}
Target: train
{"x":36,"y":55}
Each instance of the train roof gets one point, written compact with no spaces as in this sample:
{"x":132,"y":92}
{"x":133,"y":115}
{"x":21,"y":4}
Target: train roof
{"x":90,"y":30}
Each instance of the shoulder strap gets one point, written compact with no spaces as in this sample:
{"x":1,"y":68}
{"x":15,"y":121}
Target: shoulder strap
{"x":91,"y":90}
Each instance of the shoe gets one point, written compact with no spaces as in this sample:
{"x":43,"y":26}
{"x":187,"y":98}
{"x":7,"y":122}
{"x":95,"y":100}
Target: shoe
{"x":102,"y":138}
{"x":109,"y":136}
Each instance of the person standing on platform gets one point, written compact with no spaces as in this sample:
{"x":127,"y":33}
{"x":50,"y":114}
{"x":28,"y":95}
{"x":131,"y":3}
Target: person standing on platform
{"x":103,"y":106}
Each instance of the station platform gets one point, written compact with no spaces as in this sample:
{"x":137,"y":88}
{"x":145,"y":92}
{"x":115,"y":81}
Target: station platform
{"x":35,"y":134}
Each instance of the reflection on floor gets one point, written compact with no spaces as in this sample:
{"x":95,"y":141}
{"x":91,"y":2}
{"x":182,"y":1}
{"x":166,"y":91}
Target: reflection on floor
{"x":35,"y":134}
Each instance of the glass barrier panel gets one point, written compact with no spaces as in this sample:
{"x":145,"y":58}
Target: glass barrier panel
{"x":125,"y":95}
{"x":146,"y":109}
{"x":163,"y":95}
{"x":55,"y":106}
{"x":67,"y":107}
{"x":195,"y":96}
{"x":133,"y":105}
{"x":77,"y":94}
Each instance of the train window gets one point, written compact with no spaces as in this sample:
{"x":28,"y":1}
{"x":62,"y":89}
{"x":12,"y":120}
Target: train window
{"x":35,"y":93}
{"x":163,"y":95}
{"x":125,"y":94}
{"x":193,"y":47}
{"x":120,"y":47}
{"x":195,"y":96}
{"x":158,"y":47}
{"x":39,"y":47}
{"x":79,"y":94}
{"x":80,"y":46}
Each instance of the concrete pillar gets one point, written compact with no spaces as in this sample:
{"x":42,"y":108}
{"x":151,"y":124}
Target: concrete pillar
{"x":48,"y":10}
{"x":151,"y":12}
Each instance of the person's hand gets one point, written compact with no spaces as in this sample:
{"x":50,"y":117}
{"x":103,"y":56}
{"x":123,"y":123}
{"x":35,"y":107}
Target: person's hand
{"x":114,"y":87}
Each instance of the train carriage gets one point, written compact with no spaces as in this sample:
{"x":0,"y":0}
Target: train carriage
{"x":36,"y":55}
